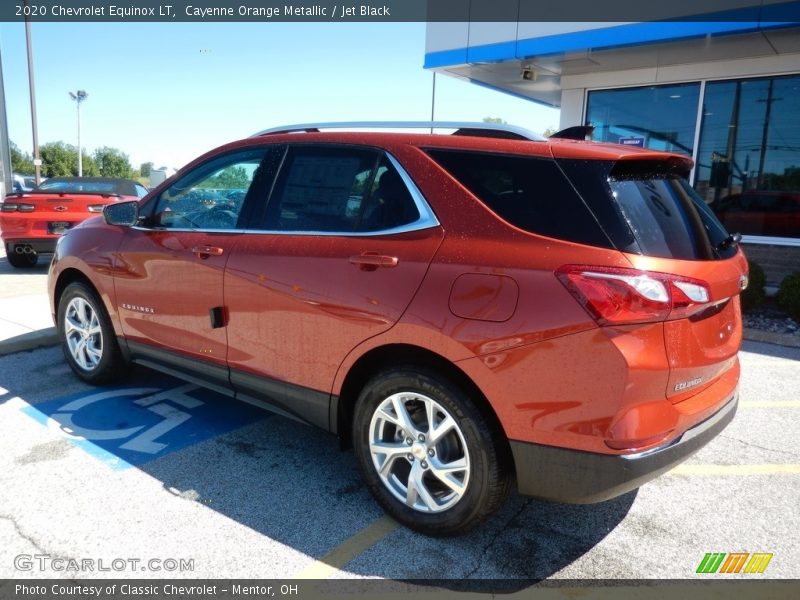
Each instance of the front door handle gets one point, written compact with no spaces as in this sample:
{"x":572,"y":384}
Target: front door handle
{"x":205,"y":251}
{"x":370,"y":261}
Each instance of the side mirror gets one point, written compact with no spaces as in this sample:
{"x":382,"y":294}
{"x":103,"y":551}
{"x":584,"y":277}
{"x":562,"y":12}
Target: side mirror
{"x":125,"y":214}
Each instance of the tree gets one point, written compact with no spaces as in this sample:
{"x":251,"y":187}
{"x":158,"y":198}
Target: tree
{"x":230,"y":178}
{"x":61,"y":160}
{"x":145,"y":168}
{"x":112,"y":162}
{"x":21,"y":162}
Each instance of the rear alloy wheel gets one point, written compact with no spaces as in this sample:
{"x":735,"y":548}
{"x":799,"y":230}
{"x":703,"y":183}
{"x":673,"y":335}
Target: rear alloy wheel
{"x":22,"y":260}
{"x":427,"y":454}
{"x":87,"y":337}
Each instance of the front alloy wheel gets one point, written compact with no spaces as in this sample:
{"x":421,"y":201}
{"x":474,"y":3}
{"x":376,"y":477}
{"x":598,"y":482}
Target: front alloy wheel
{"x":430,"y":456}
{"x":87,"y":336}
{"x":82,"y":334}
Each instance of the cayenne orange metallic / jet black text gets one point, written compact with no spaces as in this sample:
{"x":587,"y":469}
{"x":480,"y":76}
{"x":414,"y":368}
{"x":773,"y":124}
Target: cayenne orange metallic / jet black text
{"x":468,"y":311}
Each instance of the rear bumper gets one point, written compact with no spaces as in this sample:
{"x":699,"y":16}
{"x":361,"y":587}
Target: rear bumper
{"x":578,"y":477}
{"x":39,"y":245}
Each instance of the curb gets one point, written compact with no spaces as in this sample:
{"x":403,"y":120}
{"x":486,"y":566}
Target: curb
{"x":781,"y":339}
{"x":29,"y":341}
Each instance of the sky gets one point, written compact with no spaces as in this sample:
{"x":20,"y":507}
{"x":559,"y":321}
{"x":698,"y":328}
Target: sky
{"x":167,"y":92}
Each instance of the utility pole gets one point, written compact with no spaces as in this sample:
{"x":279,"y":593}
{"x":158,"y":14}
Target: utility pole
{"x":79,"y":97}
{"x":37,"y":160}
{"x":433,"y":99}
{"x":765,"y":134}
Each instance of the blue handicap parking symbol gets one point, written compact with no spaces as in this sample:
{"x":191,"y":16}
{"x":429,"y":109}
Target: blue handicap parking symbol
{"x":134,"y":425}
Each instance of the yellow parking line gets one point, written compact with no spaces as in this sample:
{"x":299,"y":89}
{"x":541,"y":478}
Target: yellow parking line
{"x":768,"y":404}
{"x":735,"y":470}
{"x":348,"y":550}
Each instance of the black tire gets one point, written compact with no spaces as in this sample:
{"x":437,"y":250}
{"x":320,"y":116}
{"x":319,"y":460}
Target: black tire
{"x":98,"y":359}
{"x":484,"y":484}
{"x":22,"y":261}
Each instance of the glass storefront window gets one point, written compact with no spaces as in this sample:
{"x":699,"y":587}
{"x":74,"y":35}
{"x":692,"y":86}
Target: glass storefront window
{"x":748,"y":162}
{"x":658,"y":117}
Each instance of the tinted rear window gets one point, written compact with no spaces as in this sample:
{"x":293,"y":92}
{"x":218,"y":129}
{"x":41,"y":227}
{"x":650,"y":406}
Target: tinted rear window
{"x":649,"y":210}
{"x":87,"y":186}
{"x":530,"y":193}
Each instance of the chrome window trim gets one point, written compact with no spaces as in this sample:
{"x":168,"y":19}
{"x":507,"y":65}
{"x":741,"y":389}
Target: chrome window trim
{"x":427,"y":219}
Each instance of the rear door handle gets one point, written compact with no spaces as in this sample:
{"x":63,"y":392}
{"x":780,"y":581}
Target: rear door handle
{"x":206,"y":251}
{"x":370,"y":262}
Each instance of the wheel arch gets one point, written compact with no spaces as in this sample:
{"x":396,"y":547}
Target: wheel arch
{"x":390,"y":355}
{"x":65,"y":278}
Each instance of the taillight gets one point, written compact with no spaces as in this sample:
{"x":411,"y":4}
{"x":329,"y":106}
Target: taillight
{"x":16,"y":207}
{"x":616,"y":296}
{"x":96,"y":208}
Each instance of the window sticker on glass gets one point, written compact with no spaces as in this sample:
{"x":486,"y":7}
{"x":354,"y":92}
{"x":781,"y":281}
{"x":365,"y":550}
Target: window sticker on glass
{"x":319,"y":184}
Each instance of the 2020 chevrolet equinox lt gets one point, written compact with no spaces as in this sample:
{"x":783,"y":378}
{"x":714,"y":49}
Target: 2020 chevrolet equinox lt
{"x":467,"y":310}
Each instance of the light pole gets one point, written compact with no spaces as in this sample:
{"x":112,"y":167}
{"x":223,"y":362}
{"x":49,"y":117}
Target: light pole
{"x":79,"y":97}
{"x":37,"y":160}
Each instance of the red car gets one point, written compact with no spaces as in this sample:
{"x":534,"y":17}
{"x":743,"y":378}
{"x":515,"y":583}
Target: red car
{"x":31,"y":222}
{"x":760,"y":212}
{"x":466,"y":310}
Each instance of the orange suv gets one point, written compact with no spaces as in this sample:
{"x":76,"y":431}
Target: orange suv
{"x":466,"y":310}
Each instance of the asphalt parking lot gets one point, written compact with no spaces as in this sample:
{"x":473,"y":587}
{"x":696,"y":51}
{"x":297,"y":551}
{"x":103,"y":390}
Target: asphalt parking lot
{"x":154,"y":469}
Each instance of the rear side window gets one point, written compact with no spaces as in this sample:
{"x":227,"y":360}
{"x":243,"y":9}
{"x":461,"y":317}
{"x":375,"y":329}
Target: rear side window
{"x":339,"y":190}
{"x":530,"y":193}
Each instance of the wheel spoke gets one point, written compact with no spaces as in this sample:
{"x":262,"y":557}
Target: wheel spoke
{"x":444,"y":473}
{"x":94,"y":325}
{"x":71,"y":324}
{"x":390,"y":451}
{"x":80,"y":311}
{"x":93,"y":354}
{"x":417,"y":490}
{"x":80,"y":354}
{"x":440,"y":430}
{"x":402,"y":414}
{"x":401,"y":418}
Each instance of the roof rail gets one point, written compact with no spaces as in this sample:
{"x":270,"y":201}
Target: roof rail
{"x":462,"y":128}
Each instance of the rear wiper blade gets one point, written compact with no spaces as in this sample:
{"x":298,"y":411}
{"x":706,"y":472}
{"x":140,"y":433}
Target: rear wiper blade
{"x":732,"y":239}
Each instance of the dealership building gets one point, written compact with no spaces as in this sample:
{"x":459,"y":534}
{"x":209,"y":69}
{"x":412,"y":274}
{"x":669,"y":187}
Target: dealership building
{"x":725,"y":93}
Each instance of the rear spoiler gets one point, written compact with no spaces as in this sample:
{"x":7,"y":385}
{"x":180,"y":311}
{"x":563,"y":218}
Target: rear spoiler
{"x":579,"y":132}
{"x":641,"y":166}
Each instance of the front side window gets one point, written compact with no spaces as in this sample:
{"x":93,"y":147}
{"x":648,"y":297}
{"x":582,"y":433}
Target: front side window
{"x":212,"y":195}
{"x":345,"y":190}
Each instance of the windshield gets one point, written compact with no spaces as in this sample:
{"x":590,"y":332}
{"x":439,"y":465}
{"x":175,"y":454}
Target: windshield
{"x":86,"y":186}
